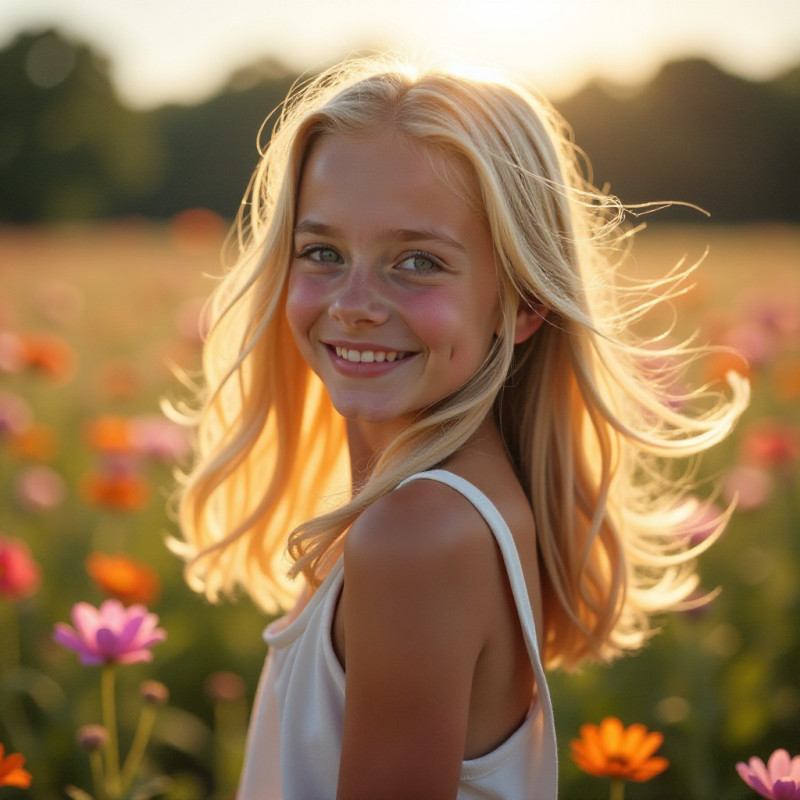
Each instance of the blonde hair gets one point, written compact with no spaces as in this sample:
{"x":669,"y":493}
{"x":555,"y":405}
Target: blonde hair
{"x":588,"y":418}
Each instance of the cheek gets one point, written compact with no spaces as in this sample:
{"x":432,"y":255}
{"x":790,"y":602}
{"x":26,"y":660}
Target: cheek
{"x":452,"y":329}
{"x":303,"y":307}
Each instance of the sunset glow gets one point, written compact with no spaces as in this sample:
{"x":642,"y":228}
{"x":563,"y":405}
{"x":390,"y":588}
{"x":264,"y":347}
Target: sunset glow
{"x":166,"y":50}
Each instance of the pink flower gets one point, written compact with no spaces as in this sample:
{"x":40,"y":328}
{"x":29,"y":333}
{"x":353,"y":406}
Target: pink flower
{"x":772,"y":443}
{"x":159,"y":438}
{"x":15,"y":413}
{"x":110,"y":634}
{"x":40,"y":488}
{"x":750,"y":486}
{"x":19,"y":573}
{"x":778,"y":780}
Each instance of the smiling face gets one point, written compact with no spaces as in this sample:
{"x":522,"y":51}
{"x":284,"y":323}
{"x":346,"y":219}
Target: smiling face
{"x":392,"y":295}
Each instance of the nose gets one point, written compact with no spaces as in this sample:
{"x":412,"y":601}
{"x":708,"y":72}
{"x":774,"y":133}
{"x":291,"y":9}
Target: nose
{"x":358,"y":299}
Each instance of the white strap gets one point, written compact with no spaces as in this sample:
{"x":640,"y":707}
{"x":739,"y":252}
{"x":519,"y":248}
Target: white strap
{"x":508,"y":549}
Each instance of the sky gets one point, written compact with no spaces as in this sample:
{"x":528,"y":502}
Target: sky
{"x":183,"y":50}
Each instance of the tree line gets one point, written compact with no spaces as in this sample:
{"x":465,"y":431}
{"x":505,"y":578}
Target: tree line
{"x":70,"y":149}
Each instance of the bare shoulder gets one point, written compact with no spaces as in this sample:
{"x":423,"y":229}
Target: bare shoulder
{"x":422,"y":527}
{"x":414,"y":616}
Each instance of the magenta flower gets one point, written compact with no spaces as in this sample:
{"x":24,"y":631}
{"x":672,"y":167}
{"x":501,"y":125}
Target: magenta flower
{"x":778,"y":780}
{"x":112,"y":634}
{"x":20,"y":575}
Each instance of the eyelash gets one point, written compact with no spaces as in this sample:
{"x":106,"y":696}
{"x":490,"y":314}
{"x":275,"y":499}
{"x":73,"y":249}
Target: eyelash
{"x":437,"y":265}
{"x":309,"y":251}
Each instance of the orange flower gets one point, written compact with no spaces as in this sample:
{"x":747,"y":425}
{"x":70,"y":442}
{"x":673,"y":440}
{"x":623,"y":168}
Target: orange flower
{"x":613,"y":751}
{"x":128,"y":580}
{"x":197,"y":230}
{"x":37,"y":442}
{"x":47,"y":354}
{"x":110,"y":434}
{"x":786,"y":379}
{"x":122,"y":492}
{"x":719,"y":364}
{"x":11,"y":771}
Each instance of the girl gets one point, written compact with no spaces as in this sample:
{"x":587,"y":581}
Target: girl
{"x":420,"y":371}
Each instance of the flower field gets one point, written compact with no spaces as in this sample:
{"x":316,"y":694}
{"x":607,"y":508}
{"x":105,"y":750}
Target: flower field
{"x":94,"y":320}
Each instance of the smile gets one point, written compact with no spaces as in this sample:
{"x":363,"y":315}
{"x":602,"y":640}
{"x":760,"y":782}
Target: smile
{"x":370,"y":356}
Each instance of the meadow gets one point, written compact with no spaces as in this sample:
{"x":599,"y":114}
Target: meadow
{"x":94,"y":320}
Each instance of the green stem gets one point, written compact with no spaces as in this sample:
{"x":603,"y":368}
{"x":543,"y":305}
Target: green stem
{"x":11,"y":645}
{"x":617,"y":789}
{"x":12,"y":709}
{"x":96,"y":762}
{"x":110,"y":722}
{"x":140,"y":740}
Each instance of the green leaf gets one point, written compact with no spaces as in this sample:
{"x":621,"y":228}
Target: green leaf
{"x":77,"y":794}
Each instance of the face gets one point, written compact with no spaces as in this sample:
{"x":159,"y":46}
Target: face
{"x":392,"y":295}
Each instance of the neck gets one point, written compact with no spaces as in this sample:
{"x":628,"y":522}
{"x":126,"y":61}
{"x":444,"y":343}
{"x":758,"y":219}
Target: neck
{"x":366,"y":442}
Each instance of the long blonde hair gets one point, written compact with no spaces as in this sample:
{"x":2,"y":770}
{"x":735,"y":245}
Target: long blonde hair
{"x":588,"y":420}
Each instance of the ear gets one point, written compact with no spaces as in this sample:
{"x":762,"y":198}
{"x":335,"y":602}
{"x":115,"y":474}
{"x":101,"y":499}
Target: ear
{"x":530,"y":317}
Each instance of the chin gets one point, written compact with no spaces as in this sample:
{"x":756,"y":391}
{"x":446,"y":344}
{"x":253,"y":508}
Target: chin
{"x":357,"y":412}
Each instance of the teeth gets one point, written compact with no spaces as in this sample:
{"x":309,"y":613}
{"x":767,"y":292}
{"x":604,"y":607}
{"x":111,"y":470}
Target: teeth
{"x":368,"y":356}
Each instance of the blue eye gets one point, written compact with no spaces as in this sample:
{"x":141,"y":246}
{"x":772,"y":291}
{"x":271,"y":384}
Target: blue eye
{"x":419,"y":262}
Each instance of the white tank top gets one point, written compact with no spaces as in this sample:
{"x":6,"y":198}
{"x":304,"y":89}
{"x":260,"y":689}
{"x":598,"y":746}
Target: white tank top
{"x":295,"y":736}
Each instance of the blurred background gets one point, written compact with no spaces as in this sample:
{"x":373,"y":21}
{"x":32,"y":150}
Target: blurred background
{"x":128,"y":132}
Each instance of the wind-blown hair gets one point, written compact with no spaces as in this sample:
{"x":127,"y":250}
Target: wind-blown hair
{"x":588,"y":413}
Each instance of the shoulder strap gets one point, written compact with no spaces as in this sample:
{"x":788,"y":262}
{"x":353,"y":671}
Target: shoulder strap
{"x":508,"y":549}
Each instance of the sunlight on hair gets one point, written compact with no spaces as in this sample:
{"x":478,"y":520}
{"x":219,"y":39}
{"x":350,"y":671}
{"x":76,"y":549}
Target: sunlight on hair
{"x":472,"y":70}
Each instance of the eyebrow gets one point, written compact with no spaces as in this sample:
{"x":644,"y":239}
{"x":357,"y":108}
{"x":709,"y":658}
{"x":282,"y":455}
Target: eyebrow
{"x":387,"y":234}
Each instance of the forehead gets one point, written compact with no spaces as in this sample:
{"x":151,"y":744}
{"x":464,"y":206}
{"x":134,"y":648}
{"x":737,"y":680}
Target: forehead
{"x":384,"y":174}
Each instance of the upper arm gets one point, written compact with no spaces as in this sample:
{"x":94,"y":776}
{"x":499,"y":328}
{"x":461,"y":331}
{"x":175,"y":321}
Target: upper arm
{"x":412,"y":633}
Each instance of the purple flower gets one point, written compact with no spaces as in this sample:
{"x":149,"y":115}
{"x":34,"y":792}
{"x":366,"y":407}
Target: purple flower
{"x":110,"y":634}
{"x":778,"y":780}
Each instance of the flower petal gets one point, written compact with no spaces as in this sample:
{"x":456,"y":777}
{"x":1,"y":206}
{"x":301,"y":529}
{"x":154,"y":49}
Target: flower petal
{"x":632,"y":739}
{"x":12,"y":773}
{"x":784,"y":789}
{"x":107,"y":644}
{"x":113,"y":614}
{"x":779,"y":765}
{"x":747,"y":774}
{"x":129,"y":632}
{"x":590,"y":735}
{"x":649,"y":769}
{"x":86,"y":619}
{"x":135,"y":656}
{"x":64,"y":635}
{"x":759,"y":770}
{"x":648,"y":746}
{"x":611,"y":733}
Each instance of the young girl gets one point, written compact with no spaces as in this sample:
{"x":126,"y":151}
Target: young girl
{"x":424,"y":400}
